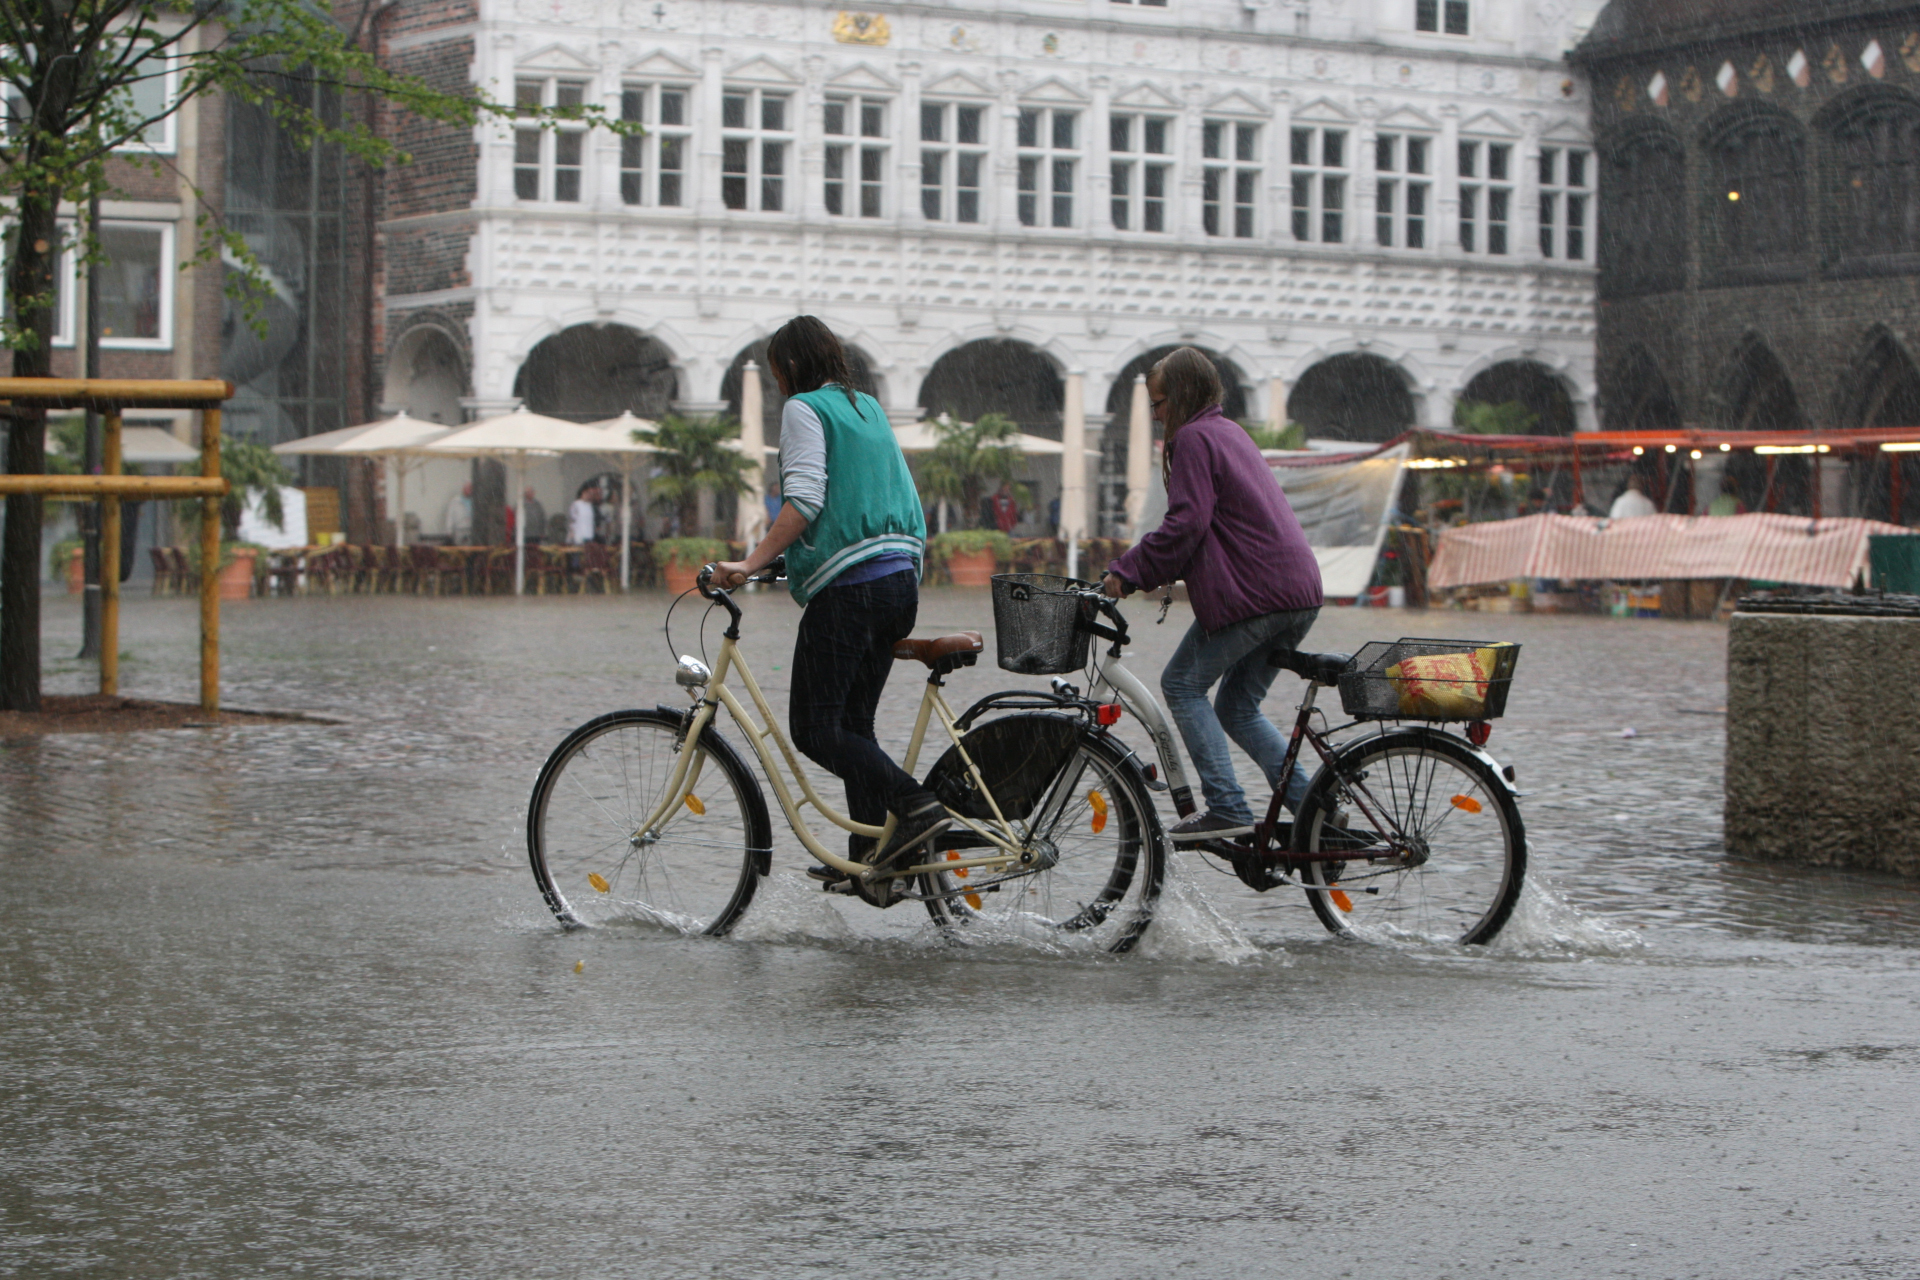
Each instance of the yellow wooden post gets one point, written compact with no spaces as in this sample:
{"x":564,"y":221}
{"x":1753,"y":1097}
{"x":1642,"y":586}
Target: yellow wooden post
{"x":110,"y":563}
{"x":210,"y":565}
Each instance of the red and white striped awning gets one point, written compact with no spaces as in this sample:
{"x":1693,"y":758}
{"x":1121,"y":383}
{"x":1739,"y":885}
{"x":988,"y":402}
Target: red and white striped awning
{"x":1769,"y":548}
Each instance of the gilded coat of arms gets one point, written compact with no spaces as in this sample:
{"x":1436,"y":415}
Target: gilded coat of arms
{"x":861,"y":28}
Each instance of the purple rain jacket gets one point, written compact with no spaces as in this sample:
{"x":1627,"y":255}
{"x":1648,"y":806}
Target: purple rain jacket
{"x":1228,"y":531}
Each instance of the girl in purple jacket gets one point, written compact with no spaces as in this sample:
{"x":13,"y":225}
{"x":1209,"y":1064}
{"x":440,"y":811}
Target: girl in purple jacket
{"x":1252,"y":579}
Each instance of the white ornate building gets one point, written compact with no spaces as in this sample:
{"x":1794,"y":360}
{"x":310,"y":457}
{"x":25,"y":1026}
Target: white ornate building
{"x":1368,"y":207}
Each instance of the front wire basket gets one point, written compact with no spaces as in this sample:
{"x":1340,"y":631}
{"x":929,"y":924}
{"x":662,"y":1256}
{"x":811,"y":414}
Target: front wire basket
{"x":1469,"y":682}
{"x":1038,"y":623}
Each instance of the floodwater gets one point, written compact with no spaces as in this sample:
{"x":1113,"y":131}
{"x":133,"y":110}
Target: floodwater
{"x":283,"y":999}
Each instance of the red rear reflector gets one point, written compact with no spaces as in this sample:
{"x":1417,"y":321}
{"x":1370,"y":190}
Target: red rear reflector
{"x":1478,"y":732}
{"x":1153,"y":773}
{"x":1108,"y":713}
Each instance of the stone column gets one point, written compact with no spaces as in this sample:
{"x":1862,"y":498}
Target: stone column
{"x":1073,"y":470}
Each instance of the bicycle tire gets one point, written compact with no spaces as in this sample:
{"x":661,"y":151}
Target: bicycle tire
{"x":1475,"y":842}
{"x":696,"y":876}
{"x":1101,"y":888}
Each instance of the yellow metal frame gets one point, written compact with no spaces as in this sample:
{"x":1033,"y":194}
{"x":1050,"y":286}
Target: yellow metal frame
{"x":109,"y":396}
{"x":687,"y":773}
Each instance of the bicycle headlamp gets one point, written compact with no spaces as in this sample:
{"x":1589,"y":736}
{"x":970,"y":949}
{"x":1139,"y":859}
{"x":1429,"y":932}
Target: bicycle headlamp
{"x":692,"y":673}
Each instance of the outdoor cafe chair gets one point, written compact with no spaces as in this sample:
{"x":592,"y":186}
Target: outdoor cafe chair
{"x":596,"y":561}
{"x":423,"y":568}
{"x":163,"y":583}
{"x":184,"y":578}
{"x":283,"y":571}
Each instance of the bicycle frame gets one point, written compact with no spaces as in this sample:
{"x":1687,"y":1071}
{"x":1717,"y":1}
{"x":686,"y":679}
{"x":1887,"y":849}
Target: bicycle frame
{"x":686,"y":774}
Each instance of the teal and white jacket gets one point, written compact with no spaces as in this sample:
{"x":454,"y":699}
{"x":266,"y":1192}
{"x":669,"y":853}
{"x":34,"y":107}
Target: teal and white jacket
{"x":841,"y":466}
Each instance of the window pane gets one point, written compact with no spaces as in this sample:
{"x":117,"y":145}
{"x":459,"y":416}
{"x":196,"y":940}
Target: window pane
{"x":1120,"y":133}
{"x":733,"y":111}
{"x":1063,"y":122}
{"x":1246,"y":138}
{"x":1245,"y":183}
{"x":633,"y":104}
{"x":1469,"y":154}
{"x":566,"y":185}
{"x":1210,"y":139}
{"x":1334,"y":149}
{"x":526,"y":94}
{"x":1156,"y":142}
{"x":1333,"y":199}
{"x":733,"y":155}
{"x":1122,"y":177}
{"x":967,"y":170}
{"x":1426,"y":15}
{"x":1029,"y":129}
{"x":1303,"y":146}
{"x":629,"y":188}
{"x":1062,"y":176}
{"x":569,"y":94}
{"x":834,"y":117}
{"x":130,"y":283}
{"x":871,"y":161}
{"x":1497,"y":156}
{"x":566,"y":146}
{"x":1576,"y":168}
{"x":773,"y":112}
{"x":930,"y":203}
{"x":1456,"y":17}
{"x":526,"y":146}
{"x":670,"y":167}
{"x":1416,"y":155}
{"x":632,"y":152}
{"x":1383,"y":152}
{"x":873,"y":119}
{"x":933,"y":168}
{"x":673,"y":106}
{"x":773,"y":157}
{"x":836,"y":158}
{"x":966,"y":124}
{"x":1547,"y":156}
{"x":1243,"y":222}
{"x":966,"y":206}
{"x":933,"y":119}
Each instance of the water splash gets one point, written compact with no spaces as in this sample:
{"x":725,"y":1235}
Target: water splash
{"x":1188,"y":926}
{"x":790,"y":908}
{"x":1544,"y":923}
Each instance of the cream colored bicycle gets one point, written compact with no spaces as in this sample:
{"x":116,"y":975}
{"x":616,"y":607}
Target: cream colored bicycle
{"x":651,"y":817}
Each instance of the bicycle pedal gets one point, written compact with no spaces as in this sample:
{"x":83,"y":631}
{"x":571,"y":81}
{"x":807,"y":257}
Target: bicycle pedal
{"x":840,"y":886}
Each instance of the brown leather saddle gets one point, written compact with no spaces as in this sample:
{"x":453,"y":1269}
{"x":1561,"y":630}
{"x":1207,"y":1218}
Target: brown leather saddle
{"x":943,"y":653}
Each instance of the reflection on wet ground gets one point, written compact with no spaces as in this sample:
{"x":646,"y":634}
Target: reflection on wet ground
{"x":283,"y":998}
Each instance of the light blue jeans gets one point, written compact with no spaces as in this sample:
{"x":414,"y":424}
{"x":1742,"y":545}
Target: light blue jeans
{"x":1236,"y":657}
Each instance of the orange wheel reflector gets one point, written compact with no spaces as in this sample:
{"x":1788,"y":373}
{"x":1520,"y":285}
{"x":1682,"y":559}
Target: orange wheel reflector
{"x":1099,"y":803}
{"x":953,"y":855}
{"x":693,"y":803}
{"x":598,"y":881}
{"x":1466,"y":802}
{"x":1341,"y":900}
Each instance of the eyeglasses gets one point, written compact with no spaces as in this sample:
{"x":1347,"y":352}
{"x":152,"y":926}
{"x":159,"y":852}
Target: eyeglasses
{"x":1157,"y":403}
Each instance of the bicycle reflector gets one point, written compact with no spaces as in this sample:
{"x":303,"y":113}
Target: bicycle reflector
{"x":1108,"y":713}
{"x":1478,"y":732}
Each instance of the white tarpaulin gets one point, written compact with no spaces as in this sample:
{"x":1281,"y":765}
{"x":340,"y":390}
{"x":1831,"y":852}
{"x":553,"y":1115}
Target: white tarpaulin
{"x":1343,"y":507}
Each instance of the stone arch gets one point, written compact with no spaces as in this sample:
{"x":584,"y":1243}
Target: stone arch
{"x":771,"y":401}
{"x":998,"y":375}
{"x":1755,"y":393}
{"x":1233,"y":381}
{"x":1643,"y":229}
{"x":1883,"y":390}
{"x":1352,"y":396}
{"x":589,"y":372}
{"x":1637,"y":395}
{"x":426,"y":375}
{"x":1530,"y":383}
{"x":1756,"y":184}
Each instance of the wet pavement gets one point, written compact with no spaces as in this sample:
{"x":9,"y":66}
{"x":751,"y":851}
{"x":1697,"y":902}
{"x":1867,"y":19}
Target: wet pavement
{"x":283,"y":999}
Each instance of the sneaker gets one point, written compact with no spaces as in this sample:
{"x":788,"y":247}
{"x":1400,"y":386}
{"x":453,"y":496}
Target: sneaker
{"x":826,"y":875}
{"x":1207,"y":826}
{"x":912,"y":833}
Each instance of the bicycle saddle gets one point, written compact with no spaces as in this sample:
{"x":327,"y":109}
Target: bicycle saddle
{"x":932,"y":651}
{"x":1321,"y":668}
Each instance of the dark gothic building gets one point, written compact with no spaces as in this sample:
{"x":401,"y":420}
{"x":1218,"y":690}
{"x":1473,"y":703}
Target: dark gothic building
{"x":1760,"y":222}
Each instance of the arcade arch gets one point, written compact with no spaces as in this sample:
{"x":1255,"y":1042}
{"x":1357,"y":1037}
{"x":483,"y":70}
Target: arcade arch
{"x":1355,"y":396}
{"x":998,"y":375}
{"x":591,"y":372}
{"x":426,"y":376}
{"x":1755,"y":394}
{"x":771,"y":401}
{"x":1529,"y":383}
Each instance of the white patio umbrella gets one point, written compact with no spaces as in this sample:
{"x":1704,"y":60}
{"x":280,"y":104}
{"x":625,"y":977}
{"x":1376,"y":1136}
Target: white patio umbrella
{"x":516,"y":437}
{"x":398,"y":440}
{"x":919,"y":437}
{"x":623,"y":451}
{"x":750,"y":517}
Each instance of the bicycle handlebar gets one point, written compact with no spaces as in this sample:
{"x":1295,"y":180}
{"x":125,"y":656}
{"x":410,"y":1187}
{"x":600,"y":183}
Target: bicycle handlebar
{"x":774,"y":571}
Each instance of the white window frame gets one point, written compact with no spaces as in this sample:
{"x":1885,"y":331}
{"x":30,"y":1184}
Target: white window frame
{"x":1436,"y":17}
{"x":550,"y":142}
{"x":640,"y":157}
{"x":169,"y":269}
{"x":1403,"y":190}
{"x":1137,"y":169}
{"x":1565,"y":215}
{"x":1230,"y":178}
{"x":1039,"y":167}
{"x":1482,"y":195}
{"x":1312,"y":176}
{"x":946,"y":153}
{"x":756,"y":137}
{"x":854,"y":173}
{"x":169,"y":86}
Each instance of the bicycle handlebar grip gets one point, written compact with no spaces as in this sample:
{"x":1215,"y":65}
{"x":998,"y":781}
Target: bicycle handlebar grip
{"x":703,"y":582}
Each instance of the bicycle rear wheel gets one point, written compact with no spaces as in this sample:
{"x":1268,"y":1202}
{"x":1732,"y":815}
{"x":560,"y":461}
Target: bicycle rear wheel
{"x":1470,"y":848}
{"x":693,"y":873}
{"x":1102,"y":854}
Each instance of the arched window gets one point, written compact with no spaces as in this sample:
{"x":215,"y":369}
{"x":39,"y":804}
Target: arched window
{"x":1758,"y":193}
{"x":1643,"y":231}
{"x":1876,"y":151}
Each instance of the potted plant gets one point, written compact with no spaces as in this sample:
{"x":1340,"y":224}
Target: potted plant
{"x":680,"y":559}
{"x":239,"y":566}
{"x":248,"y":468}
{"x":970,"y":555}
{"x":968,"y":460}
{"x":695,"y":456}
{"x":67,"y":560}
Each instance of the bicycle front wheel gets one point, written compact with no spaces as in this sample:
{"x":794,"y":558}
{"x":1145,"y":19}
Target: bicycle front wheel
{"x":1464,"y":850}
{"x":693,"y":871}
{"x":1101,"y":853}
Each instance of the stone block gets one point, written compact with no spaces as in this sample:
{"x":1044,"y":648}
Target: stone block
{"x":1823,"y":741}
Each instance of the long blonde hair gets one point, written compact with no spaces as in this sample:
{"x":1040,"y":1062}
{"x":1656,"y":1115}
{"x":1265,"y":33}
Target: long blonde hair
{"x":1190,"y":385}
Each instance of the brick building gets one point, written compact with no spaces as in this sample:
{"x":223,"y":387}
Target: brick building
{"x":1760,"y":226}
{"x":1365,"y":211}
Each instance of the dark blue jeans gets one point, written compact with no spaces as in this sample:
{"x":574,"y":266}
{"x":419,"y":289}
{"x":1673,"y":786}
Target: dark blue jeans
{"x":841,"y":661}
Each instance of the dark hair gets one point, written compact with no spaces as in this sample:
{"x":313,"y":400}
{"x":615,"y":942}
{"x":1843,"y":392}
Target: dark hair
{"x":1190,"y":385}
{"x":806,"y":351}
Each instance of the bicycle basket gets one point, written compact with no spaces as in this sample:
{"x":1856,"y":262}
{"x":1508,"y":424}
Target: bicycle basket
{"x":1429,"y":680}
{"x":1036,"y":620}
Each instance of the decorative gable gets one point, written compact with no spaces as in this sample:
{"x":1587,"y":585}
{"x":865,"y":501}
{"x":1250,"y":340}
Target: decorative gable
{"x":762,"y":71}
{"x":1323,"y":111}
{"x":1490,"y":124}
{"x":1235,"y":104}
{"x":957,"y":86}
{"x":557,"y":59}
{"x":1566,"y":131}
{"x":1408,"y":118}
{"x":1054,"y":89}
{"x":863,"y":76}
{"x":1146,"y":95}
{"x":663,"y":66}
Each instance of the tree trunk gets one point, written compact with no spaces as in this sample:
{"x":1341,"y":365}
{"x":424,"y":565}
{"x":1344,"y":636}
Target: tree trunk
{"x":29,"y":276}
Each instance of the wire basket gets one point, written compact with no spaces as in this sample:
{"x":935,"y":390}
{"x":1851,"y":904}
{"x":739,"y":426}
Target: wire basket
{"x":1037,"y":622}
{"x":1429,"y":680}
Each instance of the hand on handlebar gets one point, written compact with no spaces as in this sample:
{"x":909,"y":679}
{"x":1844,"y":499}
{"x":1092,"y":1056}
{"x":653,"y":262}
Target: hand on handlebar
{"x":1115,"y":586}
{"x":729,"y":574}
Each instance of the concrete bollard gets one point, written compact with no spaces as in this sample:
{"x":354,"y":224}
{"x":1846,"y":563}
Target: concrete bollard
{"x":1823,"y":739}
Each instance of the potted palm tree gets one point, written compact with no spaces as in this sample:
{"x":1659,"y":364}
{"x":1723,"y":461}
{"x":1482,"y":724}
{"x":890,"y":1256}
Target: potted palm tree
{"x":968,"y":458}
{"x":971,"y":555}
{"x":695,"y":456}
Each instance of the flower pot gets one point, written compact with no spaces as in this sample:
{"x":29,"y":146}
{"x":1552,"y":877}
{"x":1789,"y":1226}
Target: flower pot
{"x":680,"y":577}
{"x":76,"y":575}
{"x":235,"y":581}
{"x":971,"y":568}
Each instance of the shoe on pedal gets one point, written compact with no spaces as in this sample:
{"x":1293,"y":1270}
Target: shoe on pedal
{"x":1207,"y":826}
{"x":915,"y":829}
{"x":826,"y":875}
